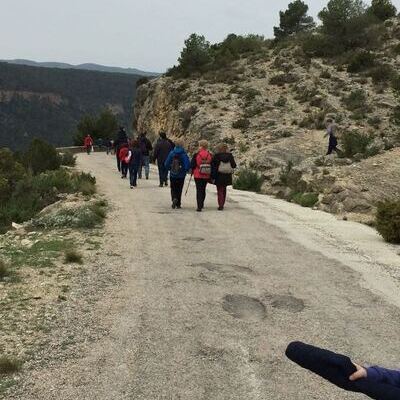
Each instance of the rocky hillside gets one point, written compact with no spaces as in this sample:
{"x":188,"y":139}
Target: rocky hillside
{"x":272,"y":109}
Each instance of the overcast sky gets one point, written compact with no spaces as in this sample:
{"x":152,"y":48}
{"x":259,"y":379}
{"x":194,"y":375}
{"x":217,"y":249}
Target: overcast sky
{"x":146,"y":34}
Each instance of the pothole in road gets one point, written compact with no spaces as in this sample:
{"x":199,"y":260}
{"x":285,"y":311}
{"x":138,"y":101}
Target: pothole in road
{"x":244,"y":307}
{"x":193,"y":239}
{"x":288,"y":303}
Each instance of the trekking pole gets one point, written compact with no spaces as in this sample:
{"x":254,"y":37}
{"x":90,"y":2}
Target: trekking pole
{"x":187,"y":189}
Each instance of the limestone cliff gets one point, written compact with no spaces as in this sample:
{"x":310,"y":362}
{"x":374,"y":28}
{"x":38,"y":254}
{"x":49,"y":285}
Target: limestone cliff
{"x":272,"y":111}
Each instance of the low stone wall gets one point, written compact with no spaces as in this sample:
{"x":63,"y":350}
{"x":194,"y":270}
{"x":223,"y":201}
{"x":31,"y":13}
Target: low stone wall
{"x":79,"y":149}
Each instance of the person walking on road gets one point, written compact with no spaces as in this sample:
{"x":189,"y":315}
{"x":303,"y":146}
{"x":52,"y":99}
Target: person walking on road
{"x":145,"y":148}
{"x":161,"y":151}
{"x":201,"y":169}
{"x":122,"y":139}
{"x":134,"y":162}
{"x":88,"y":144}
{"x":123,"y":156}
{"x":331,"y":129}
{"x":178,"y":163}
{"x":222,"y":167}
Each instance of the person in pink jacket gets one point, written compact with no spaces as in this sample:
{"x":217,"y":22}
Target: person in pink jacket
{"x":201,"y":170}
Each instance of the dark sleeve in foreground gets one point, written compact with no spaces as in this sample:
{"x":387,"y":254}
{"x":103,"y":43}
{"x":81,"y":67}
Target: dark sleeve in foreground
{"x":337,"y":368}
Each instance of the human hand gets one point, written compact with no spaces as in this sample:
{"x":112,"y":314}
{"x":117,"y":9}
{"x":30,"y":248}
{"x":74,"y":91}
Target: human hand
{"x":359,"y":374}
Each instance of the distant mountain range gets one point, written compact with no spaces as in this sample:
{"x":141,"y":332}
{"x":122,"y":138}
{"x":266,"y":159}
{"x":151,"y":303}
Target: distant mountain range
{"x":87,"y":67}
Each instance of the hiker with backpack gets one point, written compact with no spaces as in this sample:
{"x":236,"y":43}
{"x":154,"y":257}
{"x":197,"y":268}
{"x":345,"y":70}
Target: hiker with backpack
{"x":178,"y":163}
{"x":88,"y":143}
{"x":222,"y":167}
{"x":201,"y":170}
{"x":145,"y":148}
{"x":123,"y":154}
{"x":134,"y":160}
{"x":162,"y":149}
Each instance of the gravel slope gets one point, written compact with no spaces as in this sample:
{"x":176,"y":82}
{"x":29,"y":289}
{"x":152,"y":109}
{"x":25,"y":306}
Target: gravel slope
{"x":208,"y":302}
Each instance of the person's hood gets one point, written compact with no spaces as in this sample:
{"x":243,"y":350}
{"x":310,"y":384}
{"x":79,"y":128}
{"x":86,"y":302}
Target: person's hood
{"x":178,"y":150}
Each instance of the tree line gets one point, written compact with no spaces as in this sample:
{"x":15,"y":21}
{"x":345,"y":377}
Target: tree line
{"x":344,"y":25}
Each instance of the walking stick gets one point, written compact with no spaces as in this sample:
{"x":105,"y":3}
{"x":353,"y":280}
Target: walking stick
{"x":187,"y":189}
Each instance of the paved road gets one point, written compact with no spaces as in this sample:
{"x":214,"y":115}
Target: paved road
{"x":210,"y":301}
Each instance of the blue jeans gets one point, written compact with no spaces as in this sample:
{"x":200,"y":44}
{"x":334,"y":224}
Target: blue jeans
{"x":163,"y":172}
{"x":146,"y":164}
{"x":133,"y":173}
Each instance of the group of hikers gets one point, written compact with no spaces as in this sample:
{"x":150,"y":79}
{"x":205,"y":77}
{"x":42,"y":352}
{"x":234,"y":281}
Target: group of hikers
{"x":173,"y":162}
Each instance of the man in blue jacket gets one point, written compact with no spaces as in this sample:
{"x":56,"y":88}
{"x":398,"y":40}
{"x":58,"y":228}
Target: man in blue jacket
{"x":178,"y":163}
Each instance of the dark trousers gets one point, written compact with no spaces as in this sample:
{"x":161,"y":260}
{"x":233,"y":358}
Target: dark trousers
{"x":221,"y":191}
{"x":88,"y":149}
{"x":118,"y":162}
{"x":124,"y":168}
{"x":163,"y":172}
{"x":201,"y":185}
{"x":133,"y":174}
{"x":337,"y":369}
{"x":332,"y":146}
{"x":176,"y":190}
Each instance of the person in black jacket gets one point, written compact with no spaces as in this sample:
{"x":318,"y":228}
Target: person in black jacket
{"x":145,"y":147}
{"x":161,"y":151}
{"x":135,"y":161}
{"x":122,"y":139}
{"x":222,"y":166}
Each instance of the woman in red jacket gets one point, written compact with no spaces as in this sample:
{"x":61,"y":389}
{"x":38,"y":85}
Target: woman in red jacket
{"x":88,"y":143}
{"x":201,"y":169}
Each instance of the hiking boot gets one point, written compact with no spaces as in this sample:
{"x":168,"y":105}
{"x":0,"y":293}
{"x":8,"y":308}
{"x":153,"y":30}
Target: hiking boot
{"x":198,"y":210}
{"x":178,"y":207}
{"x":174,"y":203}
{"x":147,"y":178}
{"x":131,"y":187}
{"x":160,"y":185}
{"x":166,"y":183}
{"x":220,"y":208}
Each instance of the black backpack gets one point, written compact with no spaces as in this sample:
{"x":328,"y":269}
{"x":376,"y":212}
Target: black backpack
{"x":176,"y":165}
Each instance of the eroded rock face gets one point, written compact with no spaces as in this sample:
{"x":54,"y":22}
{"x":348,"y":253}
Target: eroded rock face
{"x":273,"y":116}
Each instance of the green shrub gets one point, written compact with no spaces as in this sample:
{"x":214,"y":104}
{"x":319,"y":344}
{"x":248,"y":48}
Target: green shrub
{"x":382,"y":9}
{"x":86,"y":217}
{"x":356,"y":100}
{"x":396,"y":49}
{"x":9,"y":365}
{"x":142,"y":81}
{"x":361,"y":61}
{"x":68,"y":159}
{"x":317,"y":45}
{"x":293,"y":20}
{"x":248,"y":180}
{"x":72,"y":256}
{"x":41,"y":157}
{"x":396,"y":115}
{"x":248,"y":94}
{"x":243,"y":147}
{"x":284,"y":174}
{"x":325,"y":74}
{"x":381,"y":73}
{"x":396,"y":83}
{"x":355,"y":143}
{"x":282,"y":79}
{"x":281,"y":102}
{"x":388,"y":220}
{"x":375,"y":121}
{"x":242,"y":123}
{"x":4,"y":271}
{"x":305,"y":199}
